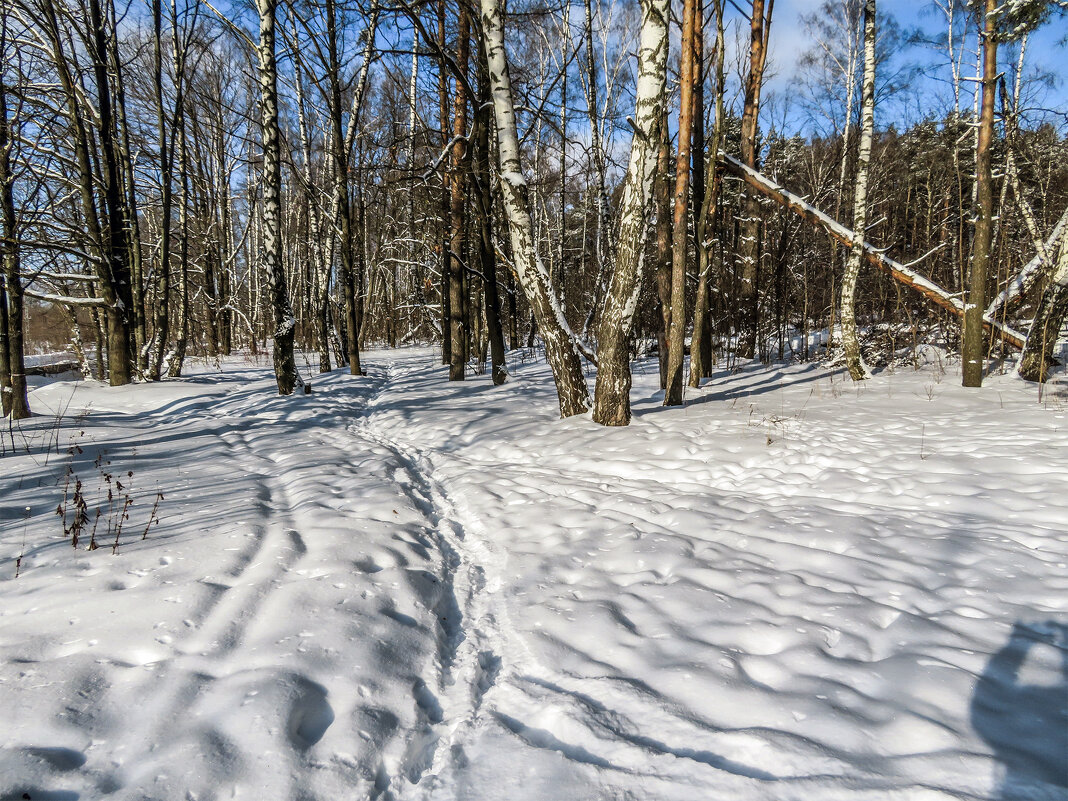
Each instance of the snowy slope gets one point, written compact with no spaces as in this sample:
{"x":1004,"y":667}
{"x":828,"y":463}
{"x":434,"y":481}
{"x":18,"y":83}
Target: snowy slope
{"x":398,"y":587}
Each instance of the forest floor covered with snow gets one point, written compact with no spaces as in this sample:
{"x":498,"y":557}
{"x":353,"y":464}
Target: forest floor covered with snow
{"x":399,"y":587}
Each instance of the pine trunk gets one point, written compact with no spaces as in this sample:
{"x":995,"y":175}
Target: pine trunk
{"x":749,"y":232}
{"x":680,"y":232}
{"x":701,"y":356}
{"x":457,"y":204}
{"x":974,"y":341}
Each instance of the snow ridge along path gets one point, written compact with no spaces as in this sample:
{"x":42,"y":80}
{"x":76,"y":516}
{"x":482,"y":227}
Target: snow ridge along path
{"x":406,"y":589}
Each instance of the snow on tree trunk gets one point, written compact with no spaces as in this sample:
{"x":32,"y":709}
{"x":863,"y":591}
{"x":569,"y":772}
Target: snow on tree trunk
{"x":1031,"y":272}
{"x":974,"y":340}
{"x":900,"y":272}
{"x":560,"y":350}
{"x":854,"y":362}
{"x":612,"y":391}
{"x":285,"y":369}
{"x":1049,"y":319}
{"x":484,"y":208}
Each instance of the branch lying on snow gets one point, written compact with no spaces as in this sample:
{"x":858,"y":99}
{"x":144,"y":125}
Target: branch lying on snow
{"x":898,"y":271}
{"x":66,"y":299}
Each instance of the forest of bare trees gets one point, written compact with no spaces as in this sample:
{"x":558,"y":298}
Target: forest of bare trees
{"x":309,"y":178}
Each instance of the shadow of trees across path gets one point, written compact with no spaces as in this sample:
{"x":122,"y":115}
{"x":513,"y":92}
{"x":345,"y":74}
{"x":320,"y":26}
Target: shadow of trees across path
{"x":1020,"y":710}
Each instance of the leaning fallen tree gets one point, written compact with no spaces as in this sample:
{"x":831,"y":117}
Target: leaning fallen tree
{"x":877,"y":258}
{"x":1052,"y":310}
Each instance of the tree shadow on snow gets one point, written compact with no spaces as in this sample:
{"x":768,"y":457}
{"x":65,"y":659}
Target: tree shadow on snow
{"x":729,"y":385}
{"x":1020,"y":709}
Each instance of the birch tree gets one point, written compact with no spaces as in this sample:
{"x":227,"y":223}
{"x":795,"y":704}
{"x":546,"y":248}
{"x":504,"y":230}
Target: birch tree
{"x":285,"y":368}
{"x":560,"y":348}
{"x":1049,"y":318}
{"x":612,"y":391}
{"x":854,"y":363}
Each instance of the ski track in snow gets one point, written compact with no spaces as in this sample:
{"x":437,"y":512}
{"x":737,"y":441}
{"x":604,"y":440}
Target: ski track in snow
{"x":404,"y":589}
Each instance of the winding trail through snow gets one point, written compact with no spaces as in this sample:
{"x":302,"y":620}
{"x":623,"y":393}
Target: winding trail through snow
{"x":407,"y":589}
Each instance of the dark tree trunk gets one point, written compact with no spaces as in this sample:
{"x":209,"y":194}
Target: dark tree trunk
{"x":458,"y":179}
{"x":487,"y":255}
{"x":285,"y":368}
{"x":749,"y":233}
{"x":973,"y":347}
{"x":663,"y":245}
{"x":679,"y":237}
{"x":12,"y":354}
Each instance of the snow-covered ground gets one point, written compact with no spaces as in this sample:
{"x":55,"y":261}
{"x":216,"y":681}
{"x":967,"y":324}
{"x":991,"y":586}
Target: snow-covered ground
{"x":402,"y":588}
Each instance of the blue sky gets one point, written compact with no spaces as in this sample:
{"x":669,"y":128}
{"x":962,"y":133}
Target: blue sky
{"x":1046,"y":50}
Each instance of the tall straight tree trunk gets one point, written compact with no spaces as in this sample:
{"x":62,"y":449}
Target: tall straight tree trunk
{"x":487,"y":253}
{"x":414,"y":271}
{"x":560,"y":349}
{"x":680,"y":238}
{"x":285,"y":368}
{"x":972,"y":350}
{"x":226,"y":285}
{"x":5,"y":351}
{"x":138,"y":352}
{"x":85,"y":170}
{"x":120,"y":305}
{"x":561,"y":267}
{"x":663,"y":242}
{"x":612,"y":392}
{"x":701,"y":342}
{"x":458,"y":176}
{"x":854,"y":363}
{"x":320,"y":267}
{"x":343,"y":210}
{"x":15,"y":399}
{"x":749,"y":233}
{"x":181,"y":339}
{"x":602,"y":247}
{"x":446,"y":195}
{"x":166,"y":166}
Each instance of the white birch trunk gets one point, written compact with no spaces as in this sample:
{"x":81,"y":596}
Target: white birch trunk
{"x":612,"y":393}
{"x":285,"y":369}
{"x":854,"y":361}
{"x":560,"y":349}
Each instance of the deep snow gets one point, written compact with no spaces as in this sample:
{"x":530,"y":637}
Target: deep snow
{"x":401,"y":587}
